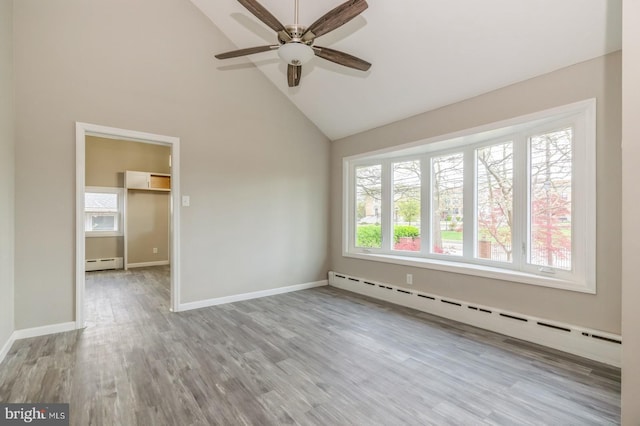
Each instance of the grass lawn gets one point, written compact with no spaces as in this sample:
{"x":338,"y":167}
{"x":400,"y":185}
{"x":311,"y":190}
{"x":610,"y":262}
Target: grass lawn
{"x":451,"y":235}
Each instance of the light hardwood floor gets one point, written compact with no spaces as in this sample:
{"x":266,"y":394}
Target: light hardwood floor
{"x":315,"y":357}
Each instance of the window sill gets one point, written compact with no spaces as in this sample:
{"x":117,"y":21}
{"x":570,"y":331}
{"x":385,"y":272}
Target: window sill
{"x":102,"y":234}
{"x":475,"y":270}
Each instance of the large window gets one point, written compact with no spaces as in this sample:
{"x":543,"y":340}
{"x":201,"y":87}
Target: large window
{"x":103,"y":211}
{"x":369,"y":206}
{"x":406,"y":205}
{"x":550,"y":199}
{"x":447,"y":201}
{"x":494,"y":202}
{"x":514,"y":201}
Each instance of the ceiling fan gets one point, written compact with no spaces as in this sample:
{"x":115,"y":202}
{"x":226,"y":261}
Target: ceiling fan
{"x":295,"y":42}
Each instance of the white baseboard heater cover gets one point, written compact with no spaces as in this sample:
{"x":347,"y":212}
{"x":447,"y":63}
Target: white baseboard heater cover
{"x":593,"y":344}
{"x":103,"y":264}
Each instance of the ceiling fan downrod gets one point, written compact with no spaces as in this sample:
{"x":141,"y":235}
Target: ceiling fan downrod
{"x":295,"y":31}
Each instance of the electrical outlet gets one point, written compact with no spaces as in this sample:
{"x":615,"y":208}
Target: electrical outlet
{"x":409,"y":279}
{"x":155,"y":250}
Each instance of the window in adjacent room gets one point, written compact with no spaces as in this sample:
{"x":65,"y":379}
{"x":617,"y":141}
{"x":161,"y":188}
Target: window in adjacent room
{"x":103,"y":211}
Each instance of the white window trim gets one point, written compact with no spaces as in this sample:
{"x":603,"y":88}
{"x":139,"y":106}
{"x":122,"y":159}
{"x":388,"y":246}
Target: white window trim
{"x":583,"y":275}
{"x":120,"y":214}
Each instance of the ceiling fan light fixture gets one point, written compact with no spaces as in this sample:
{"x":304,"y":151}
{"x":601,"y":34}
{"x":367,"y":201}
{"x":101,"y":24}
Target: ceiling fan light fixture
{"x":295,"y":53}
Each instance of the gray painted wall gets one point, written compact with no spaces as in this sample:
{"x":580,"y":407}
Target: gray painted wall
{"x":631,"y":213}
{"x":256,"y":169}
{"x":599,"y":78}
{"x":6,"y":171}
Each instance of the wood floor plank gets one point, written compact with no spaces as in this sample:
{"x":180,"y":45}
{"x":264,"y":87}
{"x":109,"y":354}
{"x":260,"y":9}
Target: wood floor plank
{"x":316,"y":357}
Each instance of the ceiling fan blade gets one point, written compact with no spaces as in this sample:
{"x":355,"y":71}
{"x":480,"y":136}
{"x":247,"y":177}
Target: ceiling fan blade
{"x":294,"y":72}
{"x":260,"y":12}
{"x":337,"y":17}
{"x":341,"y":58}
{"x":244,"y":52}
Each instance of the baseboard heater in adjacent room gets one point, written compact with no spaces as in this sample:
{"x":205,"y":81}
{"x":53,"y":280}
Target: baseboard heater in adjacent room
{"x":103,"y":264}
{"x":593,"y":344}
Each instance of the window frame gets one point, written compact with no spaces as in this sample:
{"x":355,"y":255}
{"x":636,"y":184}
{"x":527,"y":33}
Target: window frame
{"x":581,"y":116}
{"x":119,"y":215}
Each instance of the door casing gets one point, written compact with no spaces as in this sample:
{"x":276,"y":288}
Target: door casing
{"x":86,"y":129}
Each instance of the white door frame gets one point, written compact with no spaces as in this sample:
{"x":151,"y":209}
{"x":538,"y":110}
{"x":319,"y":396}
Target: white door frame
{"x":82,"y":131}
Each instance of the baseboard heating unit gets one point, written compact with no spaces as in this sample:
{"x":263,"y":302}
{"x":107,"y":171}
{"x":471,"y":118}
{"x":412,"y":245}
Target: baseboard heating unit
{"x":103,"y":264}
{"x":593,"y":344}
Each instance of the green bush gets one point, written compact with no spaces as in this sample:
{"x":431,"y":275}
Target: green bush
{"x":405,"y":231}
{"x":371,"y":235}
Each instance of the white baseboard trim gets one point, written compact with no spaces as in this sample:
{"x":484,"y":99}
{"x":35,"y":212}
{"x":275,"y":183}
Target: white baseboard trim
{"x":44,"y":330}
{"x":7,"y":345}
{"x":593,"y":344}
{"x":26,"y":333}
{"x":103,"y":264}
{"x":145,"y":264}
{"x":246,"y":296}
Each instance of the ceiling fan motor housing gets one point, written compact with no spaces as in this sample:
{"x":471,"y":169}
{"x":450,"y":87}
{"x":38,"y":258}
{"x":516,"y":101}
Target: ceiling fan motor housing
{"x":296,"y":31}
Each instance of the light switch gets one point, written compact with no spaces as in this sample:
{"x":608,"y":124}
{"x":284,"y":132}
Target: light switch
{"x":186,"y":201}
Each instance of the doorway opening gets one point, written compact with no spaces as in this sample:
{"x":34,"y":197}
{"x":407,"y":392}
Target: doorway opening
{"x":105,"y":214}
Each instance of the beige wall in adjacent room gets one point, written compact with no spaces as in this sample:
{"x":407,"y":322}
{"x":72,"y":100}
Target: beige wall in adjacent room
{"x":631,"y":213}
{"x":6,"y":172}
{"x":106,"y":160}
{"x":147,"y":226}
{"x":103,"y":247}
{"x":255,"y":168}
{"x":599,"y":78}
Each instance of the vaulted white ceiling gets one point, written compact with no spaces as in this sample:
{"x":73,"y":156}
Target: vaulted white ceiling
{"x":425,"y":53}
